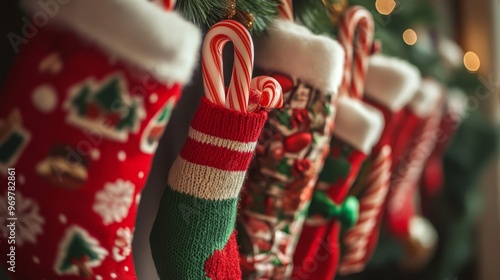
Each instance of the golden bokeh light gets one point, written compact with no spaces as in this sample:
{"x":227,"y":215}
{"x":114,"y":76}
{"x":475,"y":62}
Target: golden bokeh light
{"x":472,"y":61}
{"x":385,"y":7}
{"x":410,"y":37}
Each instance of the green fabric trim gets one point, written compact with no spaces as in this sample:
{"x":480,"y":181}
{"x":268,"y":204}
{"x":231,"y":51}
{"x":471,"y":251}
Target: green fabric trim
{"x":346,"y":213}
{"x":187,"y":230}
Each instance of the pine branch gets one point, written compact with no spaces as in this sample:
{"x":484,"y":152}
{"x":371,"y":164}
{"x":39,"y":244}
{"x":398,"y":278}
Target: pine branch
{"x":263,"y":11}
{"x":205,"y":13}
{"x":313,"y":15}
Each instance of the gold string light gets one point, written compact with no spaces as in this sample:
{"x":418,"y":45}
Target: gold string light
{"x":472,"y":61}
{"x":385,"y":7}
{"x":242,"y":17}
{"x":410,"y":37}
{"x":335,"y":9}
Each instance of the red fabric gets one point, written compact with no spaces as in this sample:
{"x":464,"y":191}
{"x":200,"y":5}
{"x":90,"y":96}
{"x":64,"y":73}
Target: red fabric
{"x":224,"y":264}
{"x":214,"y":122}
{"x":391,"y":119}
{"x":67,"y":206}
{"x":202,"y":152}
{"x":405,"y":130}
{"x":408,"y":128}
{"x":320,"y":243}
{"x":239,"y":160}
{"x":405,"y":179}
{"x":339,"y":191}
{"x":432,"y":179}
{"x":322,"y":264}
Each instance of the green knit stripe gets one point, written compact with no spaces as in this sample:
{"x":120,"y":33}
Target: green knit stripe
{"x":187,"y":230}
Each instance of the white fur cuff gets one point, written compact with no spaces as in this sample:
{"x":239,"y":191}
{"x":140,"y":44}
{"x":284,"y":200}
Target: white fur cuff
{"x":292,"y":49}
{"x":391,"y":81}
{"x":358,"y":123}
{"x":137,"y":32}
{"x":426,"y":99}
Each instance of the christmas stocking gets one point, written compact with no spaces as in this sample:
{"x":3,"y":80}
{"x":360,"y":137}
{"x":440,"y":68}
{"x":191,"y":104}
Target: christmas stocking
{"x":424,"y":112}
{"x":193,"y":235}
{"x":81,"y":114}
{"x":418,"y":236}
{"x":432,"y":177}
{"x":291,"y":149}
{"x":317,"y":253}
{"x":390,"y":85}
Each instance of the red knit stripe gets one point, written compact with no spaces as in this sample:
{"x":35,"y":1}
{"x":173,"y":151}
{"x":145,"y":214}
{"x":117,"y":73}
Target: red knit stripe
{"x":228,"y":124}
{"x":216,"y":157}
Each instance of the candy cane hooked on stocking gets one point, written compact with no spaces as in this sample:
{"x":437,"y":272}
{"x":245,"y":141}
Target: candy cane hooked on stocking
{"x":213,"y":78}
{"x":285,"y":10}
{"x":361,"y":239}
{"x":271,"y":89}
{"x":169,"y":4}
{"x":357,"y":19}
{"x":356,"y":238}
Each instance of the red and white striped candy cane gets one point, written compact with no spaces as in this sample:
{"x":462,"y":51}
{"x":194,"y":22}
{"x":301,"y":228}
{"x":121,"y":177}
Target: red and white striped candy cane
{"x":357,"y":238}
{"x":271,"y":91}
{"x":169,"y":4}
{"x":356,"y":20}
{"x":285,"y":10}
{"x":212,"y":67}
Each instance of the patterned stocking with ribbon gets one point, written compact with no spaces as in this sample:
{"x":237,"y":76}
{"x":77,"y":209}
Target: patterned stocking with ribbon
{"x":357,"y":129}
{"x":390,"y":85}
{"x":318,"y":250}
{"x":81,"y":115}
{"x":292,"y":147}
{"x":193,"y":235}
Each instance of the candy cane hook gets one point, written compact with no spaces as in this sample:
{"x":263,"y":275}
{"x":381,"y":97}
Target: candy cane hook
{"x":238,"y":93}
{"x":285,"y":10}
{"x":169,"y":4}
{"x":271,"y":91}
{"x":356,"y":19}
{"x":213,"y":78}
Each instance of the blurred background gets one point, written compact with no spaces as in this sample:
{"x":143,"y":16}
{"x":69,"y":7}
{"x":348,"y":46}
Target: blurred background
{"x":457,"y":42}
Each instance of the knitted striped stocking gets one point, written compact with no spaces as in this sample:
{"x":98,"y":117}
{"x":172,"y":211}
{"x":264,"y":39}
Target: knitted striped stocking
{"x":193,"y":235}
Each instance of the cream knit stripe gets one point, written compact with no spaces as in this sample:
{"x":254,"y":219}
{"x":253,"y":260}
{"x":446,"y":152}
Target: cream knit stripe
{"x":221,"y":142}
{"x":205,"y":182}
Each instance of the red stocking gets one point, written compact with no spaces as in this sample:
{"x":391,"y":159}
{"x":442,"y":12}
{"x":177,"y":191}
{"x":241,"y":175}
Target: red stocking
{"x":401,"y":217}
{"x":317,"y":253}
{"x":390,"y":85}
{"x":80,"y":118}
{"x":432,"y":177}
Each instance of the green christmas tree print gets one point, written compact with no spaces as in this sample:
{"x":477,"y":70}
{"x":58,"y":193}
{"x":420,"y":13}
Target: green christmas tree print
{"x":80,"y":102}
{"x":79,"y":252}
{"x":130,"y":118}
{"x":109,"y":96}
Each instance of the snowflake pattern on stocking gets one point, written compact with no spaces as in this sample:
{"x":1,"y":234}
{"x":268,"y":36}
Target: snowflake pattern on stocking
{"x":29,"y":223}
{"x":122,"y":247}
{"x":113,"y":202}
